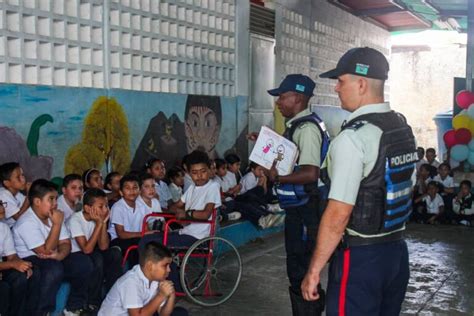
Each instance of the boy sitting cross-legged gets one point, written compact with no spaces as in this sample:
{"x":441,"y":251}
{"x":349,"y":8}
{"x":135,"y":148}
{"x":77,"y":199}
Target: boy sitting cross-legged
{"x":41,"y":238}
{"x":12,"y":182}
{"x":89,"y":235}
{"x":144,"y":290}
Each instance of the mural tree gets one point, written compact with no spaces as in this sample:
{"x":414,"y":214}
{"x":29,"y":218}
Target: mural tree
{"x":105,"y":140}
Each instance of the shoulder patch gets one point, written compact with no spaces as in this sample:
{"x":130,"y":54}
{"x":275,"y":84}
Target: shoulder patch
{"x":356,"y":125}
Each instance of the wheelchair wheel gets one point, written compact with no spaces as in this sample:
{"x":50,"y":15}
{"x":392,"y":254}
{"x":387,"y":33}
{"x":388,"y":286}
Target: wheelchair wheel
{"x":210,"y":271}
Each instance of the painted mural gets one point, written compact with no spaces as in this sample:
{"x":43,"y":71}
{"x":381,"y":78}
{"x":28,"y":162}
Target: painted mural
{"x":52,"y":131}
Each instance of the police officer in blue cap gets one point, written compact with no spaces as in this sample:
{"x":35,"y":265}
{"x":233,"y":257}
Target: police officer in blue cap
{"x":371,"y":165}
{"x":298,"y":192}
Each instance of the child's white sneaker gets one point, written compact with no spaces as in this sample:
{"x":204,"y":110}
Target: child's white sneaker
{"x":233,"y":216}
{"x":76,"y":312}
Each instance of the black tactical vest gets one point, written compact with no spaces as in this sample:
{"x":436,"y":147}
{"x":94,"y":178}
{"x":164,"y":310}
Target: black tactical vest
{"x":383,"y":202}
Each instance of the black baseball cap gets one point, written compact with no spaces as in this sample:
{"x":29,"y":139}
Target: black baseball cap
{"x":297,"y":83}
{"x":360,"y":61}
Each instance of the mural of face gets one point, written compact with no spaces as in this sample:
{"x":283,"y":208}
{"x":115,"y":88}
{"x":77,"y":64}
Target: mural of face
{"x":202,"y":130}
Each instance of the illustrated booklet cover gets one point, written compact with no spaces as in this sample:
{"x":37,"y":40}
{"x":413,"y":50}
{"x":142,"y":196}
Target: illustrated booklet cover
{"x":270,"y":146}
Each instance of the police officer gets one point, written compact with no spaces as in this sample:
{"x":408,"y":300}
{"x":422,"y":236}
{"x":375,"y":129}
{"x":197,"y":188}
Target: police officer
{"x":306,"y":130}
{"x":370,"y":164}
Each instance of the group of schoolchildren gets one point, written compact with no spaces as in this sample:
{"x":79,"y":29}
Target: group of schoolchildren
{"x":82,"y":236}
{"x":436,"y":199}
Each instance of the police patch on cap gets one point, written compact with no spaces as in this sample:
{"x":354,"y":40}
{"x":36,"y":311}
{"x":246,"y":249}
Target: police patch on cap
{"x":362,"y":69}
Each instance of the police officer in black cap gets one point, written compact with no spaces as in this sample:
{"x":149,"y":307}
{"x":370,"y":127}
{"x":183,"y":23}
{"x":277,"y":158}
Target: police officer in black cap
{"x":370,"y":164}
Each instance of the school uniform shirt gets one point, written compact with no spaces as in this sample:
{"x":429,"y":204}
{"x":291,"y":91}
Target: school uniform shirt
{"x":176,"y":192}
{"x":64,"y":207}
{"x":7,"y":247}
{"x":14,"y":203}
{"x":432,"y":205}
{"x":196,"y":199}
{"x":29,"y":232}
{"x":155,"y":205}
{"x":132,"y":290}
{"x":130,"y":218}
{"x":229,"y":181}
{"x":163,"y":192}
{"x":79,"y":226}
{"x":248,"y":182}
{"x":447,"y":182}
{"x":188,"y":181}
{"x":420,"y":163}
{"x":464,"y":205}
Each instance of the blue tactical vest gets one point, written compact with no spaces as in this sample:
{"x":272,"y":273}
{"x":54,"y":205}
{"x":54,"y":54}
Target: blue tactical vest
{"x":292,"y":195}
{"x":383,"y":202}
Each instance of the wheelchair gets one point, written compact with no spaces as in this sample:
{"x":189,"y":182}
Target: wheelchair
{"x":210,"y":269}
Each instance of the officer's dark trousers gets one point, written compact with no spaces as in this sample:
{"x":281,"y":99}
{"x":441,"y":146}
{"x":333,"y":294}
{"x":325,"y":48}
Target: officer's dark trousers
{"x":368,"y":280}
{"x":301,"y":226}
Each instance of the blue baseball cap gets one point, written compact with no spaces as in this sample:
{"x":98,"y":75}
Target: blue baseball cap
{"x":360,"y":61}
{"x":295,"y":82}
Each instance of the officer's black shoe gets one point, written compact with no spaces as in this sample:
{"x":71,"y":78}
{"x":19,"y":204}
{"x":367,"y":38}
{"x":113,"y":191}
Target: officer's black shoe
{"x":300,"y":307}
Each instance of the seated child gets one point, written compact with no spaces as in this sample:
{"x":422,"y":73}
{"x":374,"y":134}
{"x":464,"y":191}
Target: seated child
{"x":446,"y":184}
{"x":112,"y":187}
{"x":432,"y":161}
{"x":144,"y":290}
{"x":421,"y":157}
{"x":176,"y":177}
{"x":92,"y":178}
{"x":188,"y":181}
{"x":70,"y":201}
{"x":233,"y":175}
{"x":434,"y":205}
{"x":41,"y":238}
{"x":156,"y":168}
{"x":147,"y":200}
{"x":221,"y":173}
{"x":197,"y":203}
{"x":89,"y":236}
{"x":463,"y":207}
{"x":13,"y":182}
{"x":126,"y":216}
{"x":19,"y":279}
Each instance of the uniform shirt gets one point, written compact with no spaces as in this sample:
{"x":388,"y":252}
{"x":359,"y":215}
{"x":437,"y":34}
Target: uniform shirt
{"x":163,"y":192}
{"x":7,"y":247}
{"x":132,"y":290}
{"x":228,"y":181}
{"x":29,"y":232}
{"x":79,"y":226}
{"x":196,"y":199}
{"x":130,"y":218}
{"x":188,"y":181}
{"x":64,"y":207}
{"x":352,"y":156}
{"x":307,"y":138}
{"x":248,"y":182}
{"x":432,"y":205}
{"x":448,"y":182}
{"x":155,"y":205}
{"x":176,"y":192}
{"x":14,"y":204}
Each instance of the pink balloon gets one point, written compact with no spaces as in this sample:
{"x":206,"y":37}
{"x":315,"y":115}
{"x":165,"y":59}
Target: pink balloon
{"x":463,"y":136}
{"x":464,"y":98}
{"x":450,"y":138}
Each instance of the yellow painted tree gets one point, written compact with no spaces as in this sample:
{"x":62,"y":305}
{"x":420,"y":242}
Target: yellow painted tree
{"x":105,"y":139}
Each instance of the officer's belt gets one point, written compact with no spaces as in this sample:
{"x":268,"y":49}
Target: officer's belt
{"x":354,"y":241}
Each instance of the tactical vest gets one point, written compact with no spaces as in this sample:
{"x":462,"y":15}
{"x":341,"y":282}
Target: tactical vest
{"x":383,"y":202}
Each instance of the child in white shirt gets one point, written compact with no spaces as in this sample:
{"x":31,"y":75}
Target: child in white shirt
{"x":13,"y":182}
{"x":463,"y":206}
{"x":176,"y":177}
{"x":147,"y":200}
{"x":112,"y":187}
{"x":41,"y":237}
{"x":20,"y":280}
{"x":70,"y":201}
{"x":434,"y":210}
{"x":89,"y":235}
{"x":144,"y":290}
{"x":156,"y":168}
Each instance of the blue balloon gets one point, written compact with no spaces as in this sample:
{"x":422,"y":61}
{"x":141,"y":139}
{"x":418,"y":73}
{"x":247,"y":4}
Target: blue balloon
{"x":470,"y":159}
{"x":460,"y":152}
{"x":471,"y":145}
{"x":470,"y":111}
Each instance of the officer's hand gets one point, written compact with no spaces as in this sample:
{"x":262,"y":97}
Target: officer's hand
{"x":273,"y":172}
{"x":252,"y":136}
{"x":309,"y":287}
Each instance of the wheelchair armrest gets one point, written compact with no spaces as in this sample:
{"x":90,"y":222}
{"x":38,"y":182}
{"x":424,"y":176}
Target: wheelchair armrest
{"x":180,"y":221}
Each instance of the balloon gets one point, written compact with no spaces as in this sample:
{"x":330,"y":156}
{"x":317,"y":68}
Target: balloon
{"x":461,"y":121}
{"x":464,"y":98}
{"x":470,"y":111}
{"x":450,"y":138}
{"x":463,"y":136}
{"x":459,"y":152}
{"x":470,"y":158}
{"x":471,"y":145}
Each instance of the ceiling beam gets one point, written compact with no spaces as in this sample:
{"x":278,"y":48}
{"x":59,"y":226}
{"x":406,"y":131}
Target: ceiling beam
{"x":379,"y":11}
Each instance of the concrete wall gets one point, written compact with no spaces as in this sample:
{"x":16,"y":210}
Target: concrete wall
{"x":422,"y":68}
